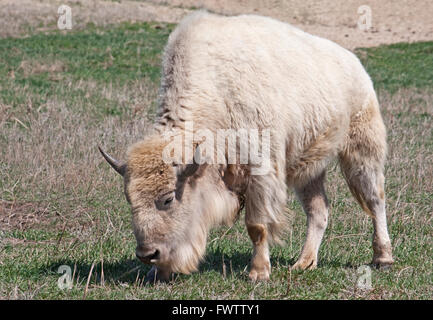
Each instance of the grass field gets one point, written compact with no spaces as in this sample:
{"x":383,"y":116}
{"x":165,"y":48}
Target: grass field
{"x":62,"y":94}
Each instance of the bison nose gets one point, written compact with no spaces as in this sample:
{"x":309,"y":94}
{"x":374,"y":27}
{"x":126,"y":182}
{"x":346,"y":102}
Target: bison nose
{"x":148,"y":255}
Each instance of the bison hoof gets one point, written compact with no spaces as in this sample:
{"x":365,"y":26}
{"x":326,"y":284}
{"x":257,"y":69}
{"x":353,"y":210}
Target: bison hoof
{"x":309,"y":264}
{"x":382,"y":264}
{"x":261,"y":275}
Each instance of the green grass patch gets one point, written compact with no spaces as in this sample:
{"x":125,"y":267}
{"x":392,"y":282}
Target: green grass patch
{"x":62,"y":65}
{"x":117,"y":54}
{"x":400,"y":65}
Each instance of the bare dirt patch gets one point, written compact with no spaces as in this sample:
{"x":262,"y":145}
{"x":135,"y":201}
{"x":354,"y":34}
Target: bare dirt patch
{"x":392,"y":21}
{"x":29,"y":67}
{"x":21,"y":215}
{"x":20,"y":17}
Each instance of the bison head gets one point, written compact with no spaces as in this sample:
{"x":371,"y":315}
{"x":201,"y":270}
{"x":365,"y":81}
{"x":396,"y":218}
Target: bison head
{"x":173,"y":206}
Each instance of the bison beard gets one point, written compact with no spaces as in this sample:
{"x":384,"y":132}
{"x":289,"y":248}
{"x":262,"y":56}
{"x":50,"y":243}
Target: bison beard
{"x":251,"y":72}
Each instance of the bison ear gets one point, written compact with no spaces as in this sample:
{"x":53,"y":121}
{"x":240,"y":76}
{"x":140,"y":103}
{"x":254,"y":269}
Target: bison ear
{"x":187,"y":171}
{"x":120,"y":167}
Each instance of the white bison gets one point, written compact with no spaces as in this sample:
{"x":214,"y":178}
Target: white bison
{"x":314,"y":99}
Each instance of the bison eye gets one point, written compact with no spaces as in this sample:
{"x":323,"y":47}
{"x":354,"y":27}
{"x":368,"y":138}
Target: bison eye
{"x":164,"y":202}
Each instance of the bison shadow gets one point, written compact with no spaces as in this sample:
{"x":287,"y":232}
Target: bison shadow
{"x":132,"y":271}
{"x":123,"y":271}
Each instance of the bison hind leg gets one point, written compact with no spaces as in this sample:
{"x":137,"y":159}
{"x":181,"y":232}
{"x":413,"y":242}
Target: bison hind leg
{"x":362,"y":161}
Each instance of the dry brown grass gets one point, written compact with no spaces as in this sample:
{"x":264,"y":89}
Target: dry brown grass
{"x":50,"y":165}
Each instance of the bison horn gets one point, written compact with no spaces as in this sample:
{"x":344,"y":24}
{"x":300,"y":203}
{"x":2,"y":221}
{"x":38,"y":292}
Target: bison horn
{"x":188,"y":171}
{"x":115,"y":164}
{"x":191,"y":168}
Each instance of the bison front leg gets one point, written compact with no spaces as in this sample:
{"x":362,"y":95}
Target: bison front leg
{"x":260,"y":263}
{"x":265,"y":216}
{"x":157,"y":274}
{"x":315,"y":205}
